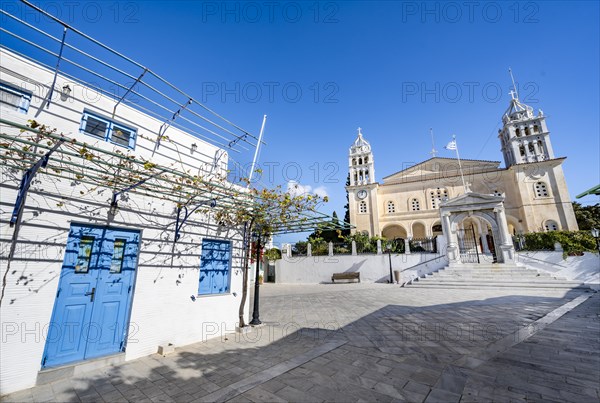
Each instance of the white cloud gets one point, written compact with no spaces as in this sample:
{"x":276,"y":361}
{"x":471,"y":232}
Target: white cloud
{"x":321,"y":191}
{"x":296,"y":189}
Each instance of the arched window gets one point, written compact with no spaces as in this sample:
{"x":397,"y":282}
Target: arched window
{"x":541,"y":190}
{"x":415,"y":205}
{"x":360,"y":161}
{"x":391,"y":207}
{"x":366,"y":160}
{"x":518,"y":132}
{"x":362,"y":207}
{"x":527,"y":131}
{"x":437,"y":196}
{"x":353,"y":161}
{"x":522,"y":150}
{"x":541,"y":146}
{"x":536,"y":129}
{"x":531,"y":149}
{"x":551,"y":225}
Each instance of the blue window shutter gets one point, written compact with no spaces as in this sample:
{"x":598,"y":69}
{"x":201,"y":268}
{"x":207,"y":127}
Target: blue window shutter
{"x":215,"y":267}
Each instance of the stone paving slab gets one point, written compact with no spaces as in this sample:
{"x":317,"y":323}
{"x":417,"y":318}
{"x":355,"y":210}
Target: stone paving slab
{"x":373,"y":342}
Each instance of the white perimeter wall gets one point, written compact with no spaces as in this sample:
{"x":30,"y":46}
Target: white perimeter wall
{"x":372,"y":268}
{"x":584,"y":268}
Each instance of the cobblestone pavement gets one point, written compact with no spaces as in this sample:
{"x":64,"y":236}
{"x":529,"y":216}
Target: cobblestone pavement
{"x":374,"y":342}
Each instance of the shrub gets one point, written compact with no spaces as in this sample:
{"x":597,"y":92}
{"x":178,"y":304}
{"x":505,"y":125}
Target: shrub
{"x":572,"y":242}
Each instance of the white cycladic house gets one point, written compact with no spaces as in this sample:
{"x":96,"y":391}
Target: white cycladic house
{"x":84,"y":282}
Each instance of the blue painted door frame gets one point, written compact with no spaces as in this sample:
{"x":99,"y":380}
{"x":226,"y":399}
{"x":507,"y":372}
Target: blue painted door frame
{"x":91,"y":310}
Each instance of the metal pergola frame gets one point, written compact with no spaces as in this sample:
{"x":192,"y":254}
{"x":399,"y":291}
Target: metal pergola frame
{"x":166,"y":183}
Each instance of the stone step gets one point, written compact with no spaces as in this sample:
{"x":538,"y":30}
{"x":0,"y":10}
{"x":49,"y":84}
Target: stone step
{"x":483,"y":275}
{"x":491,"y":277}
{"x":499,"y":285}
{"x":494,"y":276}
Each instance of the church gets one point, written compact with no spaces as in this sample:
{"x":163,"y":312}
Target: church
{"x":406,"y":204}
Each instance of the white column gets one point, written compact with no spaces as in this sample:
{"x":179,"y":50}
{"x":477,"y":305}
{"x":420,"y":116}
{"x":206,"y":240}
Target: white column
{"x":507,"y":249}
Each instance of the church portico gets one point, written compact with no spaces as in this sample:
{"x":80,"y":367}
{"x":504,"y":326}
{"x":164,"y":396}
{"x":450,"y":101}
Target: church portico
{"x":462,"y":214}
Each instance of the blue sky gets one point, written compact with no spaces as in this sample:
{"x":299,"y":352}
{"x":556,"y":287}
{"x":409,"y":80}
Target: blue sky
{"x":319,"y":70}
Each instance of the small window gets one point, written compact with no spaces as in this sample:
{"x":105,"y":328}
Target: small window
{"x":84,"y":256}
{"x":391,"y":207}
{"x":116,"y":263}
{"x":362,"y":207}
{"x":14,"y":98}
{"x":108,"y":130}
{"x":541,"y":190}
{"x":531,"y":148}
{"x":437,"y":196}
{"x":527,"y":131}
{"x":522,"y":150}
{"x":536,"y":129}
{"x":518,"y":132}
{"x":415,"y":205}
{"x":551,"y":225}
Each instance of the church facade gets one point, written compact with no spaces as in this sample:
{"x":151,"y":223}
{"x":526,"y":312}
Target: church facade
{"x":406,"y":204}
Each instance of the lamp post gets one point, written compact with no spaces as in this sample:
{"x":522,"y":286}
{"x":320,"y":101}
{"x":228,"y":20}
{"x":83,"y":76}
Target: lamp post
{"x":388,"y":246}
{"x":255,"y":312}
{"x":596,"y":235}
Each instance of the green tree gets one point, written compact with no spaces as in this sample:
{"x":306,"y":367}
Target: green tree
{"x":587,"y":217}
{"x":328,"y":232}
{"x":346,"y":231}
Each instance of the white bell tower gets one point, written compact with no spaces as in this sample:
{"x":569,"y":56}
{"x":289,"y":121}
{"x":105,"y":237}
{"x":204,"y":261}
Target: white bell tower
{"x":360,"y":162}
{"x":524,"y":137}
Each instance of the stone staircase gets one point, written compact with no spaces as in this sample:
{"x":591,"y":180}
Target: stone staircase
{"x":494,"y":276}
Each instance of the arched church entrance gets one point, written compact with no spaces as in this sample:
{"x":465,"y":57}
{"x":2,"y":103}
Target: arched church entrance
{"x":476,"y":240}
{"x":474,"y":226}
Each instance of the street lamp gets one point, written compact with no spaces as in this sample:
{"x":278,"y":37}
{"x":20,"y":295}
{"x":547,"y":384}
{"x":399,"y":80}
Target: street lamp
{"x":388,"y":247}
{"x":255,"y":312}
{"x":596,"y":235}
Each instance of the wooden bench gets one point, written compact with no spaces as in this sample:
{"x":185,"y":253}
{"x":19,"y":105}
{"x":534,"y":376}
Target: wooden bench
{"x":346,"y":276}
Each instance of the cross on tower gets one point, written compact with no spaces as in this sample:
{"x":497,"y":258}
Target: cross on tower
{"x":359,"y":129}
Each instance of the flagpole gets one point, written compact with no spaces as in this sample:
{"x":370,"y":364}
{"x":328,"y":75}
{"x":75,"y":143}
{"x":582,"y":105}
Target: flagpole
{"x":459,"y":164}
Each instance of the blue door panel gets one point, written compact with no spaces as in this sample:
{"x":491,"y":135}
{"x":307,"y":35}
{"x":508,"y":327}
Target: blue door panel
{"x":92,"y":306}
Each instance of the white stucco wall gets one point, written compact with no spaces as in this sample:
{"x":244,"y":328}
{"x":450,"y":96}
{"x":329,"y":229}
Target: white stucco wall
{"x":162,"y":310}
{"x":584,"y":268}
{"x":372,"y":268}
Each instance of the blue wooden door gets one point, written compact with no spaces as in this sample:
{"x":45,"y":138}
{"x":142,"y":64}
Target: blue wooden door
{"x":91,"y":310}
{"x":215,"y":262}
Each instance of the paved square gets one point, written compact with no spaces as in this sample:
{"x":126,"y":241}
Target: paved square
{"x":374,"y":342}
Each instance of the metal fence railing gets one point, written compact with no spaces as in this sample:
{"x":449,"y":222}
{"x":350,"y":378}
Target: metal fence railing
{"x":423,"y":245}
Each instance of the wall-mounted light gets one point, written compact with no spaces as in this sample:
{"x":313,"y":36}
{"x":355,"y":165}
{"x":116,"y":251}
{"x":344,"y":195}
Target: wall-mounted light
{"x":193,"y":148}
{"x":66,"y":91}
{"x":114,"y":209}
